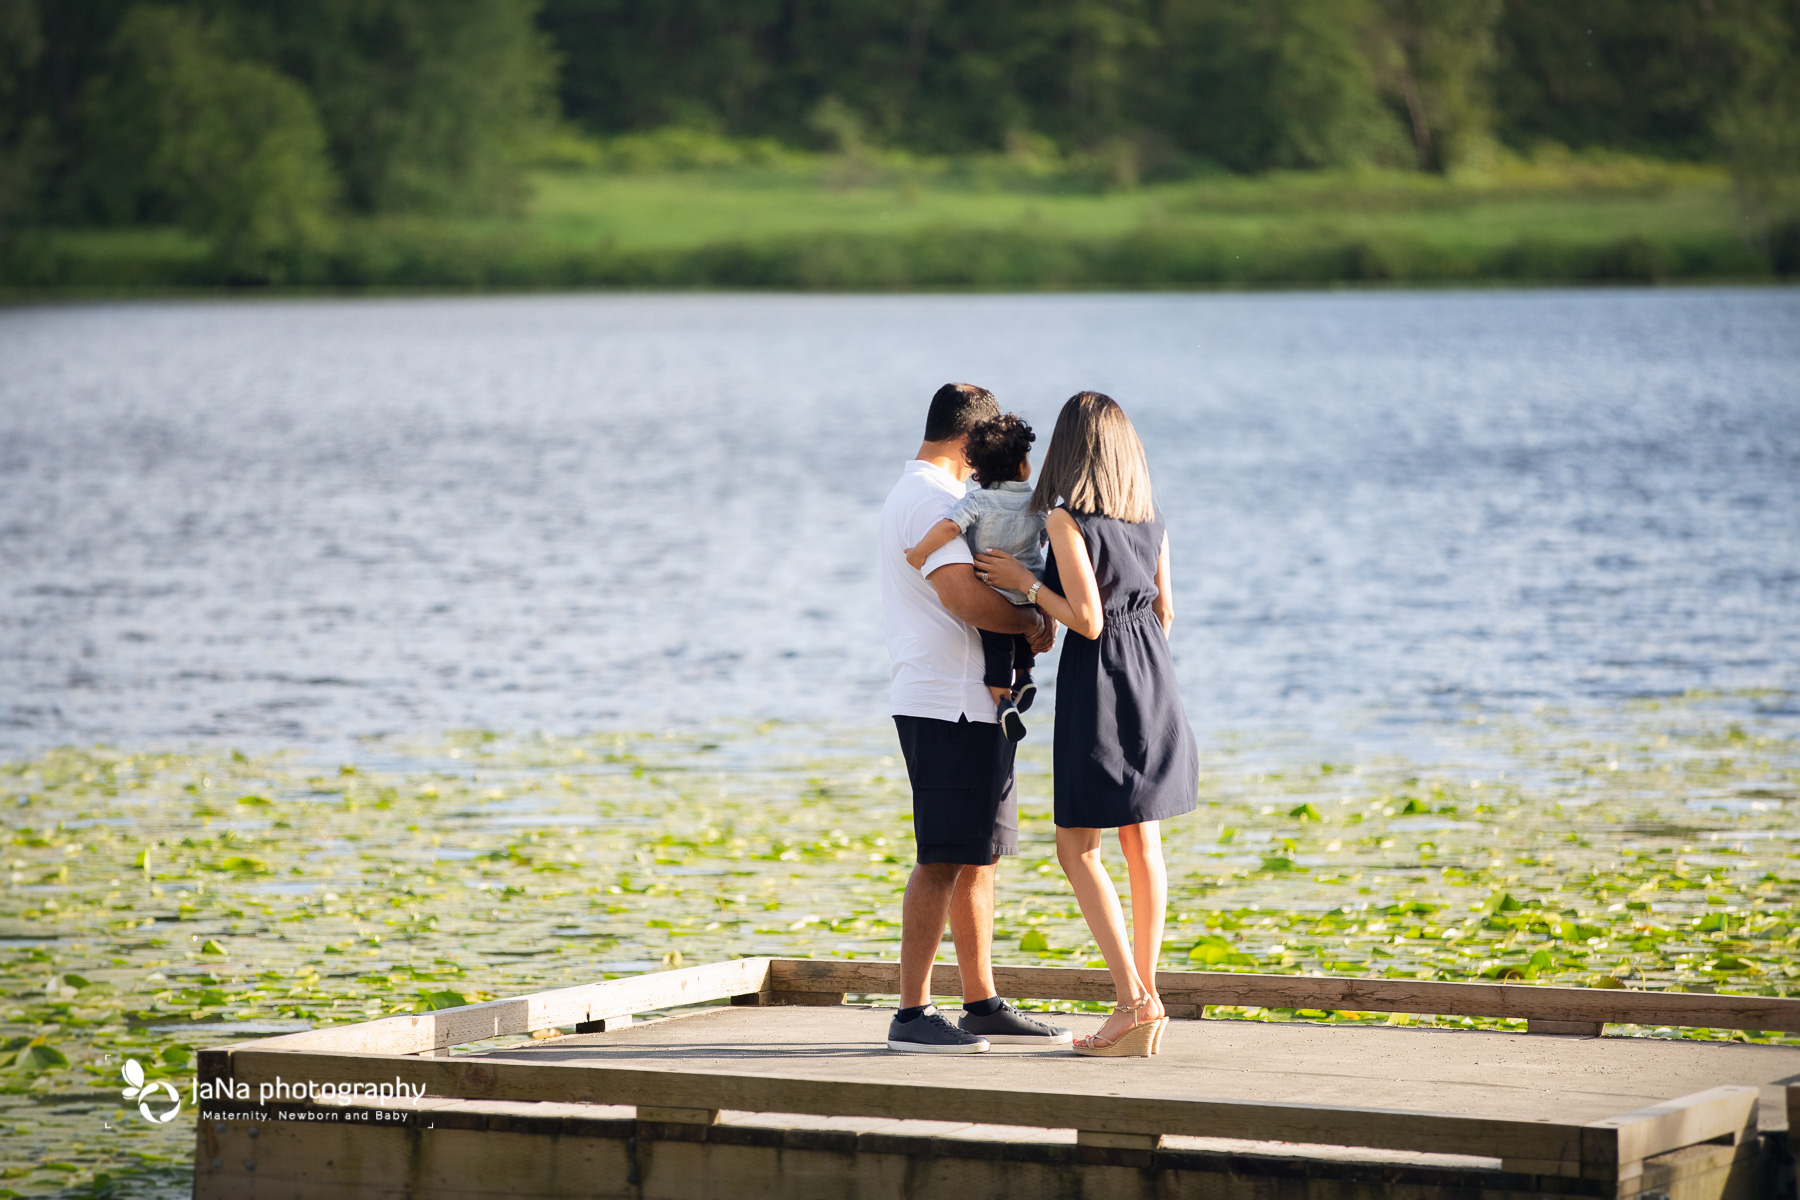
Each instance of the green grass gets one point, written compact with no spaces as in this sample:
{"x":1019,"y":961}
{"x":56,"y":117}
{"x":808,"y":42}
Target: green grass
{"x":688,"y":209}
{"x":798,"y":222}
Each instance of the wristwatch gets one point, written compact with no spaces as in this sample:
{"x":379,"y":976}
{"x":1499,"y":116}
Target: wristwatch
{"x":1031,"y":592}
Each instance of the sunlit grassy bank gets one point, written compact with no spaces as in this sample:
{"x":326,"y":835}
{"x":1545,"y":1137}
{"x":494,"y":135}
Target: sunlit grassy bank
{"x":802,"y":222}
{"x":158,"y":902}
{"x":687,"y":208}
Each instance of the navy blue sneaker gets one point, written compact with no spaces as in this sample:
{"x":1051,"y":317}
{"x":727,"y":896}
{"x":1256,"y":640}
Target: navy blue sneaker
{"x":1009,"y":1025}
{"x":1024,"y":694}
{"x":1012,"y":725}
{"x":931,"y":1033}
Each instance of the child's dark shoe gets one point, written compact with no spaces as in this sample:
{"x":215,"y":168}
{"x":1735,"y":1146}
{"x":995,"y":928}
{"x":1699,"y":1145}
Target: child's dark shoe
{"x":1012,"y":725}
{"x":1024,"y":693}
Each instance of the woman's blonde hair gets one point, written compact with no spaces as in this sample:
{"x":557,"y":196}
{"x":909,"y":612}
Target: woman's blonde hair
{"x":1095,"y":463}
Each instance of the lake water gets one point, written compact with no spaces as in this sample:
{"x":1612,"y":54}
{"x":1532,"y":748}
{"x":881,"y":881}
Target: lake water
{"x":300,"y":522}
{"x":294,"y":524}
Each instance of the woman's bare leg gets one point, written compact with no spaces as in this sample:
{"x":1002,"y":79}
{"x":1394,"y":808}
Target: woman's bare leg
{"x":1078,"y":850}
{"x":1142,"y":845}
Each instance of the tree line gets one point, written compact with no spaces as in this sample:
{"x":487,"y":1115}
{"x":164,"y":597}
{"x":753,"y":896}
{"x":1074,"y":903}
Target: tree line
{"x":257,"y":120}
{"x":1245,"y":84}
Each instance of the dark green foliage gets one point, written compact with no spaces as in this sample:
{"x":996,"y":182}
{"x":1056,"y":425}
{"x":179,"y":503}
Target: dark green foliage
{"x":1680,"y":78}
{"x":113,"y":112}
{"x":936,"y":77}
{"x":1253,"y":85}
{"x":1249,"y":84}
{"x":1637,"y":75}
{"x":1246,"y":83}
{"x":1758,"y":120}
{"x":1784,"y":248}
{"x":430,"y":105}
{"x":223,"y":146}
{"x":1437,"y":61}
{"x":264,"y":124}
{"x":24,"y":133}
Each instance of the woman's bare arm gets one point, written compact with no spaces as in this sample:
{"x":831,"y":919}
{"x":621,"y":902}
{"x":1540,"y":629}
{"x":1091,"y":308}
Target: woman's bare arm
{"x":1079,"y":606}
{"x":975,"y":603}
{"x":1164,"y":604}
{"x":935,"y":539}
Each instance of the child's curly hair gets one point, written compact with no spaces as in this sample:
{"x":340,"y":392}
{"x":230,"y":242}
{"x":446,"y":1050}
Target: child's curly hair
{"x":996,"y":448}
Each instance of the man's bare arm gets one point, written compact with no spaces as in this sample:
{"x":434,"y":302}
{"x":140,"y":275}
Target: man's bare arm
{"x":971,"y":600}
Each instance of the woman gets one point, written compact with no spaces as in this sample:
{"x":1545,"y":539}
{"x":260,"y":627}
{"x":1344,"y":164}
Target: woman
{"x":1125,"y":756}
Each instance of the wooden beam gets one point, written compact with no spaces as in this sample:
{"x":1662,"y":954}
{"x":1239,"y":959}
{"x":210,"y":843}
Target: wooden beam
{"x":1118,"y":1141}
{"x":1535,"y":1166}
{"x":1707,"y":1170}
{"x":678,"y":1116}
{"x":1631,"y":1137}
{"x":584,"y":1004}
{"x":805,"y":999}
{"x":1567,"y":1005}
{"x":491,"y":1078}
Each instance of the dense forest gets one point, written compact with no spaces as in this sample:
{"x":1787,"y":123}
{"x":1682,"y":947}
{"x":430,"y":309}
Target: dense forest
{"x":260,"y":122}
{"x":1245,"y":84}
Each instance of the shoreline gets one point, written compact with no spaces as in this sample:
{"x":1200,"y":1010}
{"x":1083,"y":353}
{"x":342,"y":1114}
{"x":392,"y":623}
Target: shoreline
{"x":960,"y":261}
{"x":234,"y":293}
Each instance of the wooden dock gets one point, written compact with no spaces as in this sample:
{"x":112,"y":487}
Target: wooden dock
{"x":789,"y":1092}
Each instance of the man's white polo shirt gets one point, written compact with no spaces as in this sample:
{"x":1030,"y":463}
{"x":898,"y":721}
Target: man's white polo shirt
{"x":936,"y":658}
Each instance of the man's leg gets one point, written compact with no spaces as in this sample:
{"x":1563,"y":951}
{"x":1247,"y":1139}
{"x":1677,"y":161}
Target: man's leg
{"x":923,"y":911}
{"x":985,"y":1013}
{"x":972,"y":931}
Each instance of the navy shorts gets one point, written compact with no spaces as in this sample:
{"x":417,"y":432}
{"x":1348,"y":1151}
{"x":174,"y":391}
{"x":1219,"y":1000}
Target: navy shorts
{"x":965,"y":807}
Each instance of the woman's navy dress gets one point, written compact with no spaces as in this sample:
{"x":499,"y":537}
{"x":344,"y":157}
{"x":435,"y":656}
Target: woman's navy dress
{"x":1124,"y":750}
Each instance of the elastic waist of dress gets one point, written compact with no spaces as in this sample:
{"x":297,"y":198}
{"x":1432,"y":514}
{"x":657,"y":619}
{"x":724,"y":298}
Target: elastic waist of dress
{"x":1125,"y":615}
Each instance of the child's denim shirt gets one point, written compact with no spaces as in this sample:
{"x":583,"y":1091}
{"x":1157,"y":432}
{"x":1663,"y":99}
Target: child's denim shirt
{"x":999,"y":518}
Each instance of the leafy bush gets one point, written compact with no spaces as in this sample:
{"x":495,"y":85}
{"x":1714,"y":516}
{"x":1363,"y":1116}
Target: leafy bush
{"x":1784,"y":248}
{"x":677,"y":148}
{"x":228,"y":148}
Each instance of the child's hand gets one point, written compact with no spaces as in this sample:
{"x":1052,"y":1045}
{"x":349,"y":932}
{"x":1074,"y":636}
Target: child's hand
{"x":914,"y":559}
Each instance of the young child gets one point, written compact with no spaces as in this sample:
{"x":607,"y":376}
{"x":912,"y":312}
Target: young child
{"x":997,"y":516}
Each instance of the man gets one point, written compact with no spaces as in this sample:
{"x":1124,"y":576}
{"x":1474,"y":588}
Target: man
{"x":965,"y":810}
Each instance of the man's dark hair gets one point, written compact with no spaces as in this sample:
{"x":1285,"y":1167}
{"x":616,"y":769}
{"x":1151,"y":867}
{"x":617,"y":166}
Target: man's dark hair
{"x":956,"y":409}
{"x":997,"y":447}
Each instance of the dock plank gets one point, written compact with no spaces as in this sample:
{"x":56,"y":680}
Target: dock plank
{"x":1448,"y":1070}
{"x":809,"y":1097}
{"x":537,"y":1077}
{"x":1567,"y":1107}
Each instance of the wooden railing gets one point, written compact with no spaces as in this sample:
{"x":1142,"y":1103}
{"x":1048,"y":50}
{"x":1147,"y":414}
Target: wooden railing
{"x":1556,"y":1010}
